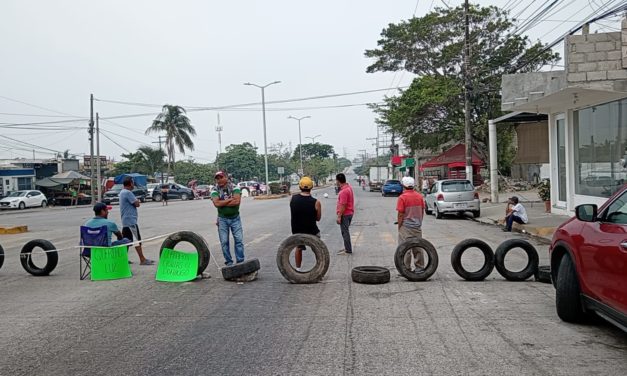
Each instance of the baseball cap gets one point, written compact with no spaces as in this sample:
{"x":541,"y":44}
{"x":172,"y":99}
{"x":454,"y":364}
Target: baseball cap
{"x":305,"y":183}
{"x":408,"y":181}
{"x":219,"y":173}
{"x":100,"y":206}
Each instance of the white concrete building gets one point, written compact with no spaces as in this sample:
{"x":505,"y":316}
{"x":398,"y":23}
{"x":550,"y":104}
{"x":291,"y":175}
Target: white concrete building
{"x":586,"y":106}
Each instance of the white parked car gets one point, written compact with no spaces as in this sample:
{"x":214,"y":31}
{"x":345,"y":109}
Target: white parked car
{"x":23,"y":199}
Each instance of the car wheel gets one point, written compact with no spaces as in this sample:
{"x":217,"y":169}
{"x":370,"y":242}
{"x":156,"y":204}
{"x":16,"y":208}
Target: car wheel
{"x":568,"y":293}
{"x":142,"y":199}
{"x":22,"y":205}
{"x":427,"y":210}
{"x":438,"y":213}
{"x":184,"y":197}
{"x":476,"y":213}
{"x":157,"y":197}
{"x":44,"y":203}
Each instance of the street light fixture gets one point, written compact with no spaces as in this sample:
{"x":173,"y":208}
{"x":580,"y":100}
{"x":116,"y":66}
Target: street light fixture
{"x":300,"y":141}
{"x":313,"y":139}
{"x":265,"y":140}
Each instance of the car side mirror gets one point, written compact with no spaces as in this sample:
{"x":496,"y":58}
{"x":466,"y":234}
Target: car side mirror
{"x":586,"y":212}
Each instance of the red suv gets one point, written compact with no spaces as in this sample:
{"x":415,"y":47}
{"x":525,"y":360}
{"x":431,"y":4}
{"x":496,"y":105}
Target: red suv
{"x":589,"y":262}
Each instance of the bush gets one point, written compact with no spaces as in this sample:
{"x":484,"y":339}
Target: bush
{"x":275,"y":188}
{"x":544,"y":190}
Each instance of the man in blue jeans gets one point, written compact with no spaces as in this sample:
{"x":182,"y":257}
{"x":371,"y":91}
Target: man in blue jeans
{"x":226,"y":197}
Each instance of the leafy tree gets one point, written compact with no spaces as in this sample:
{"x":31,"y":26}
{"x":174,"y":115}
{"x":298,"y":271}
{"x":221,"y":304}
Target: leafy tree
{"x":313,"y":150}
{"x":241,"y":161}
{"x":151,"y":159}
{"x":189,"y":170}
{"x":173,"y":121}
{"x":431,"y":111}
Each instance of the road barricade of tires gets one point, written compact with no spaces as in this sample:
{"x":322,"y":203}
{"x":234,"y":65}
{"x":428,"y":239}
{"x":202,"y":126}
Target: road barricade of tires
{"x":320,"y":251}
{"x":370,"y":275}
{"x":488,"y":263}
{"x":242,"y":272}
{"x":26,"y":257}
{"x":421,"y":272}
{"x":196,"y":240}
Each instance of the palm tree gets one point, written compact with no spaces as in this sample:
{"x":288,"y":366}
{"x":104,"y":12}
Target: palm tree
{"x":178,"y":130}
{"x":151,"y":159}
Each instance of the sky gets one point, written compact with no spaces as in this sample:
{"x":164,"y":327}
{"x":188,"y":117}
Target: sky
{"x":199,"y":54}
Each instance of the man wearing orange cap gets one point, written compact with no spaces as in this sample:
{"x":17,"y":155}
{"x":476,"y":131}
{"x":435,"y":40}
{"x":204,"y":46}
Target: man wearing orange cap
{"x":305,"y":211}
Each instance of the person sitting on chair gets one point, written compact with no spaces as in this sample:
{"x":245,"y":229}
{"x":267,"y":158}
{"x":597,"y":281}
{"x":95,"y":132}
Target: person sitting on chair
{"x":515,"y":213}
{"x":101,"y":219}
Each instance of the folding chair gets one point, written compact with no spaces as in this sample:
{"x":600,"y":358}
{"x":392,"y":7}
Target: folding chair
{"x":93,"y":237}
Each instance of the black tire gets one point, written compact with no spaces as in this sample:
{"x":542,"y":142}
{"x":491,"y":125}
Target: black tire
{"x":314,"y":244}
{"x":370,"y":275}
{"x":196,"y":240}
{"x":184,"y":197}
{"x":476,"y":213}
{"x":157,"y":197}
{"x":22,"y":205}
{"x":241,"y":269}
{"x":568,"y":293}
{"x":26,"y":260}
{"x":44,"y":203}
{"x":405,"y":247}
{"x":438,"y":213}
{"x":529,"y":270}
{"x":1,"y":256}
{"x":142,"y":199}
{"x":544,"y":274}
{"x":488,"y":264}
{"x":427,"y":210}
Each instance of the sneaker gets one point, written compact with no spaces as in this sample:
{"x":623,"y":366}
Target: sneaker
{"x":147,"y":262}
{"x":227,"y":264}
{"x":505,"y":230}
{"x":344,"y":252}
{"x":299,"y":270}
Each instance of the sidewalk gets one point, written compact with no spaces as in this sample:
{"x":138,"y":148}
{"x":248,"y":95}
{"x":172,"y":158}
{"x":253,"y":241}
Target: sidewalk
{"x":541,"y":224}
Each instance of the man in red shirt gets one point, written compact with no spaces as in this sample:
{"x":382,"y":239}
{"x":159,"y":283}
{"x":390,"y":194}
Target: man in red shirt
{"x":411,"y":209}
{"x":345,"y":211}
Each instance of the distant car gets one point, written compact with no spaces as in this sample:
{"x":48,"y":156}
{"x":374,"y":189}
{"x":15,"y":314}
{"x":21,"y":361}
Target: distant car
{"x":452,"y":196}
{"x":391,"y":187}
{"x":175,"y":191}
{"x":113,"y":195}
{"x":248,"y":187}
{"x":23,"y":199}
{"x":589,"y":262}
{"x":204,"y":190}
{"x":150,"y":189}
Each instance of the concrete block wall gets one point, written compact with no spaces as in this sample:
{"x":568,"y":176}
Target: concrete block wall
{"x":597,"y":57}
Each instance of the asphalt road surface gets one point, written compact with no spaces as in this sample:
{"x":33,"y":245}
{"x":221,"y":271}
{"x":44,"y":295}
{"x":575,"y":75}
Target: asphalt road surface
{"x":58,"y":325}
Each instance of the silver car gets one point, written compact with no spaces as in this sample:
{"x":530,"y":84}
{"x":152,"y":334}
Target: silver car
{"x":453,"y":196}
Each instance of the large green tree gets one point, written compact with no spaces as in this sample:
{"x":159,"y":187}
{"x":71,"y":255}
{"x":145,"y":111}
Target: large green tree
{"x":431,"y":111}
{"x":241,"y":161}
{"x":178,"y":129}
{"x":151,"y":159}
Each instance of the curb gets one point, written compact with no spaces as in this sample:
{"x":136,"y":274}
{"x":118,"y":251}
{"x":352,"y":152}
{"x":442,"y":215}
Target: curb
{"x":540,"y":238}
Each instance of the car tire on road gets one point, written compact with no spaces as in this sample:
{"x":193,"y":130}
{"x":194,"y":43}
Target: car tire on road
{"x":241,"y":269}
{"x":1,"y":256}
{"x":488,"y":264}
{"x":51,"y":254}
{"x":184,"y":197}
{"x":370,"y":275}
{"x":568,"y":293}
{"x":157,"y":197}
{"x":427,"y":247}
{"x":44,"y":203}
{"x":196,"y":240}
{"x":476,"y":214}
{"x":437,"y":212}
{"x":427,"y":210}
{"x":314,"y":244}
{"x":22,"y":206}
{"x":529,"y":270}
{"x":544,"y":274}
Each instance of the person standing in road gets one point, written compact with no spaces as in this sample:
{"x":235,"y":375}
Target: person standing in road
{"x":305,"y":212}
{"x":517,"y":213}
{"x":345,"y":211}
{"x":411,"y":209}
{"x":74,"y":196}
{"x":226,"y":198}
{"x":128,"y":210}
{"x":164,"y":194}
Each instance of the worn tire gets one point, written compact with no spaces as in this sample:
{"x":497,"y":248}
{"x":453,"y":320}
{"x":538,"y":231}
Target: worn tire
{"x":1,"y":256}
{"x":22,"y":205}
{"x":370,"y":275}
{"x":157,"y":197}
{"x":184,"y":197}
{"x":544,"y":274}
{"x":196,"y":240}
{"x":427,"y":210}
{"x":44,"y":203}
{"x":568,"y":293}
{"x":405,"y":247}
{"x":488,"y":264}
{"x":319,"y":249}
{"x":437,"y":213}
{"x":476,"y":214}
{"x":239,"y":270}
{"x":529,"y":270}
{"x":27,"y":262}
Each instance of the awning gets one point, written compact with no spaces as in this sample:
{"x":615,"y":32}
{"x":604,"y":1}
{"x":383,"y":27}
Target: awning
{"x":457,"y":154}
{"x":71,"y":175}
{"x":49,"y":182}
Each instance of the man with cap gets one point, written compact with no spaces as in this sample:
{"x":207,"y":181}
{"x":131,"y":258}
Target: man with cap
{"x":305,"y":211}
{"x":226,"y":198}
{"x":102,"y":219}
{"x":128,"y":212}
{"x":411,"y":208}
{"x":516,"y":213}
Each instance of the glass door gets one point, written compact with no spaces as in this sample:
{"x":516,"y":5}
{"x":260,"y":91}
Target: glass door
{"x":560,"y":126}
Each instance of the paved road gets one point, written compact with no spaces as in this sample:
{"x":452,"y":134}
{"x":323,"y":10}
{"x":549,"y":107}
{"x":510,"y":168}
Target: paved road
{"x":58,"y":325}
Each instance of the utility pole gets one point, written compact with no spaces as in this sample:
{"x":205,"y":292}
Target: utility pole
{"x":467,"y":89}
{"x":92,"y":192}
{"x":300,"y":141}
{"x":219,"y":130}
{"x":159,"y":142}
{"x":98,"y":177}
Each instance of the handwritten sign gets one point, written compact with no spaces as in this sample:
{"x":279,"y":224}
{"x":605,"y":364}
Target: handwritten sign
{"x":109,"y":263}
{"x":177,"y":266}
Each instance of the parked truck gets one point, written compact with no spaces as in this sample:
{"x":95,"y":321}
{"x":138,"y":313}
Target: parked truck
{"x":377,"y":176}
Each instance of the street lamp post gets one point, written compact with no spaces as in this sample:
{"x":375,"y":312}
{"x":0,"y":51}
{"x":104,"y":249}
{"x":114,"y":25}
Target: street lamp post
{"x":265,"y":140}
{"x":313,"y":139}
{"x":300,"y":141}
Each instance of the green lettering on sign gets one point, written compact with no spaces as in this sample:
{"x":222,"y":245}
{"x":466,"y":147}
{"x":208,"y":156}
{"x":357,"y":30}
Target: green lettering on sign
{"x":177,"y":266}
{"x":109,"y":263}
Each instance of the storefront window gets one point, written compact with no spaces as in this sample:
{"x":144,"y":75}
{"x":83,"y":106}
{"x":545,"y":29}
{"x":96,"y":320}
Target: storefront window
{"x":600,"y":149}
{"x":24,"y":184}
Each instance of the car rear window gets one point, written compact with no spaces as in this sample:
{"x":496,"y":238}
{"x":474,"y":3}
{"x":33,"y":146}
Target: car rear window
{"x":393,"y":182}
{"x":456,"y":186}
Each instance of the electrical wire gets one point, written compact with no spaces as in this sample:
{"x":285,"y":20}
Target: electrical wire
{"x":34,"y":105}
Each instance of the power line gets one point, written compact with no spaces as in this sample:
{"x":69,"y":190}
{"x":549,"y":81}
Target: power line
{"x":34,"y":105}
